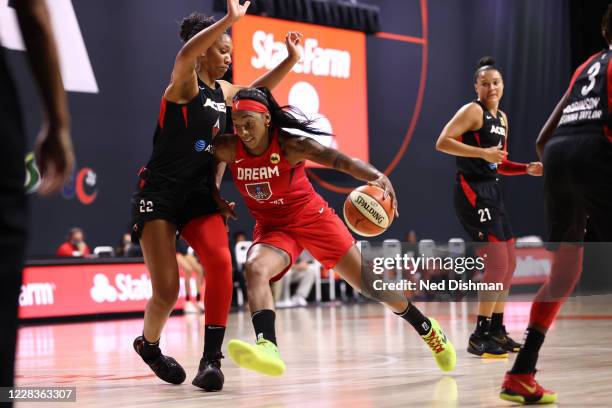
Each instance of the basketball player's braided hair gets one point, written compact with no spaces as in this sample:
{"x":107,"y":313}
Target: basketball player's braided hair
{"x":606,"y":24}
{"x":195,"y":23}
{"x":485,"y":64}
{"x":282,"y":116}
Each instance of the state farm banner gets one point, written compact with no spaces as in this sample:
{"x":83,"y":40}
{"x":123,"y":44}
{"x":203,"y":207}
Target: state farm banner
{"x":532,"y":266}
{"x":329,"y":83}
{"x":71,"y":290}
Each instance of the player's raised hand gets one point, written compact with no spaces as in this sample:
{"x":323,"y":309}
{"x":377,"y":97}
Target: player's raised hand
{"x":494,"y":154}
{"x":292,"y":40}
{"x":384,"y":183}
{"x":235,"y":10}
{"x":535,"y":169}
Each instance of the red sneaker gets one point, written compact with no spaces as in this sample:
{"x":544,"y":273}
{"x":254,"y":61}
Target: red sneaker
{"x":524,"y":389}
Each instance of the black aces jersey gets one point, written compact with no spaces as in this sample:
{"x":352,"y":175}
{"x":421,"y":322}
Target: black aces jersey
{"x":182,"y":145}
{"x":588,"y":107}
{"x":492,"y":133}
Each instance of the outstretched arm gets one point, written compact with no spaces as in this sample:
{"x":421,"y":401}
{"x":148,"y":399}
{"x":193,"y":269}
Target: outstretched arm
{"x":54,"y":144}
{"x":305,"y":148}
{"x":273,"y":77}
{"x":183,"y":84}
{"x":219,"y":172}
{"x":510,"y":168}
{"x":224,"y":148}
{"x":225,"y":207}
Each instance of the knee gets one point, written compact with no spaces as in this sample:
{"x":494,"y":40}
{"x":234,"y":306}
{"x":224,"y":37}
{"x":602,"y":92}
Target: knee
{"x":223,"y":260}
{"x":496,"y":271}
{"x":511,"y":265}
{"x":257,"y":271}
{"x":217,"y":258}
{"x":218,"y":280}
{"x":562,"y":288}
{"x":511,"y":258}
{"x":167,"y":296}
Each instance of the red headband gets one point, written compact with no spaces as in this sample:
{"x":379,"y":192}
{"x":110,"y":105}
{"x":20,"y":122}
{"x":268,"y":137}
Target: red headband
{"x":249,"y":105}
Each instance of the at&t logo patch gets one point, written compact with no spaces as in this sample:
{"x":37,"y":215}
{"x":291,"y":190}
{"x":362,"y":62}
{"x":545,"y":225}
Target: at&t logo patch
{"x":200,"y":145}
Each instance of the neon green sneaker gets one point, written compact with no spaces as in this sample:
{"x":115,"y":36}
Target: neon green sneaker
{"x":262,"y":357}
{"x":441,"y":347}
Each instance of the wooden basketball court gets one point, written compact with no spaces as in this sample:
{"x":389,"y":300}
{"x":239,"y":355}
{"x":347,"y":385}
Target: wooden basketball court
{"x":337,"y":356}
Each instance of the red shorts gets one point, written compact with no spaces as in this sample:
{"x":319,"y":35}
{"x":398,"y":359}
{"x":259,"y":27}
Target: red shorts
{"x":323,"y":234}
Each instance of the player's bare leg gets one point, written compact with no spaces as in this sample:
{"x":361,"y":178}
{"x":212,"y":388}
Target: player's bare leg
{"x":158,"y":247}
{"x":263,"y":263}
{"x":443,"y":350}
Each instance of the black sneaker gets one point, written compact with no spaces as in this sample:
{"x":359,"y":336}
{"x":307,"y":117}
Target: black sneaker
{"x":209,"y":376}
{"x":501,"y":337}
{"x":484,"y":346}
{"x":164,"y":367}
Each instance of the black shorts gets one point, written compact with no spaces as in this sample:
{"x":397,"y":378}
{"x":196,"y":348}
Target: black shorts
{"x":577,"y":185}
{"x":480,"y":209}
{"x":160,"y":201}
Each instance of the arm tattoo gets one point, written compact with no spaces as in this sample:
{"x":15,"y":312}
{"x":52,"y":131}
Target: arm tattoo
{"x":337,"y":159}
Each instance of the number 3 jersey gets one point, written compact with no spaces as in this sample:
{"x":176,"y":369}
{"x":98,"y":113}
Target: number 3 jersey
{"x":590,"y":93}
{"x":577,"y":170}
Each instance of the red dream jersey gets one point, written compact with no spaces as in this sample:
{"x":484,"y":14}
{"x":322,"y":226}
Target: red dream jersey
{"x":275,"y":192}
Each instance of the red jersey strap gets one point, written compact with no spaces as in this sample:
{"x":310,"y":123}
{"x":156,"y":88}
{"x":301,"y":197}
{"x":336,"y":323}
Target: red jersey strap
{"x":607,"y":130}
{"x":162,"y":112}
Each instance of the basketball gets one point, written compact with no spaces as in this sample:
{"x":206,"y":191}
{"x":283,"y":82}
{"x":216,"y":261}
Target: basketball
{"x":367,"y":212}
{"x":271,"y":143}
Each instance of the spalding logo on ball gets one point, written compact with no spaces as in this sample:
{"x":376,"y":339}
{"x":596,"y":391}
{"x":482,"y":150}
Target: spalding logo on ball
{"x":367,"y":212}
